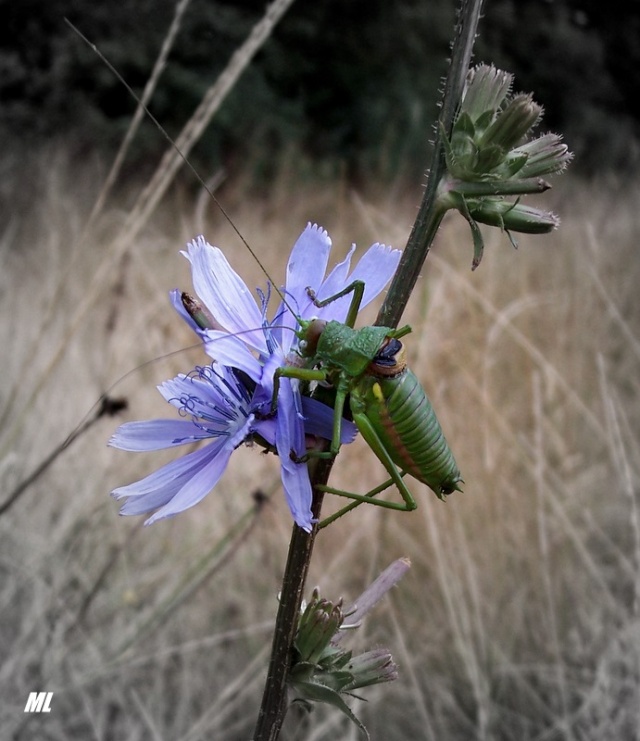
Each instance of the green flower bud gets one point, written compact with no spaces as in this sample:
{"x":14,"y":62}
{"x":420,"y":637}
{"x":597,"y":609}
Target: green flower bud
{"x":371,"y":667}
{"x":514,"y":217}
{"x":512,"y":124}
{"x":488,"y":159}
{"x":487,"y":87}
{"x":324,"y":672}
{"x":545,"y":155}
{"x":484,"y":144}
{"x":318,"y":624}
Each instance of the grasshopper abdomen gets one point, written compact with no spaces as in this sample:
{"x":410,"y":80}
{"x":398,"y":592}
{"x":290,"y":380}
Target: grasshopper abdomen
{"x":405,"y":421}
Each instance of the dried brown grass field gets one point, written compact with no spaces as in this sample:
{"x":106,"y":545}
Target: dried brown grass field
{"x":520,"y":618}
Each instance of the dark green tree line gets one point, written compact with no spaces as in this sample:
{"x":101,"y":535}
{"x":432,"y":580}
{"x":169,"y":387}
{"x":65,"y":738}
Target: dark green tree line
{"x":342,"y":81}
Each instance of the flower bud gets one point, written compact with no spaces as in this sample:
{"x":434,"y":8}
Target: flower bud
{"x":512,"y":124}
{"x":488,"y":159}
{"x":514,"y":217}
{"x":371,"y":667}
{"x":486,"y":89}
{"x":318,"y":624}
{"x":545,"y":155}
{"x":323,"y":671}
{"x":484,"y":144}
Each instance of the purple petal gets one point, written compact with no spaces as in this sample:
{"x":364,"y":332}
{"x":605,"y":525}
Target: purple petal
{"x":338,"y":278}
{"x":264,"y":393}
{"x":290,"y":438}
{"x":156,"y":434}
{"x":267,"y":428}
{"x":375,"y":268}
{"x":284,"y":326}
{"x":224,"y":293}
{"x":177,"y":486}
{"x":170,"y":478}
{"x":229,"y":350}
{"x":215,"y":388}
{"x":196,"y":487}
{"x":297,"y":490}
{"x":318,"y":420}
{"x":181,"y":388}
{"x":307,"y":264}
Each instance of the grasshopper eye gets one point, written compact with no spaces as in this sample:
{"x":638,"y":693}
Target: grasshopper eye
{"x":390,"y":360}
{"x":309,"y":343}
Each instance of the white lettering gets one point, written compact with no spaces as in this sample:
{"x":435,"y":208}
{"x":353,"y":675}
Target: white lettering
{"x":39,"y":702}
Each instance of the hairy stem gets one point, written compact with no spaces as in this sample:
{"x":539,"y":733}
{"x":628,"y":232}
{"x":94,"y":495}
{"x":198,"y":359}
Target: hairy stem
{"x":430,"y":213}
{"x":274,"y":699}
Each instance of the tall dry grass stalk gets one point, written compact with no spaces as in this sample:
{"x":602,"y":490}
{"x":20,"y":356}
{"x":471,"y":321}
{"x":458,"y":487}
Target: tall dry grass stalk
{"x":520,"y":616}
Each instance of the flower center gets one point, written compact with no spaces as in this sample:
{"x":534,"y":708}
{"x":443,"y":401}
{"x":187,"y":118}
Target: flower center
{"x":219,"y":404}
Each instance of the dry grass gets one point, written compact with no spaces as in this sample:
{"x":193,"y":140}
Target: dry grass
{"x":519,"y":619}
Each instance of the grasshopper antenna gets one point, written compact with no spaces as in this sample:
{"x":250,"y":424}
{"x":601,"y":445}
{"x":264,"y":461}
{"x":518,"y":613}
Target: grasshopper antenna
{"x":260,"y":34}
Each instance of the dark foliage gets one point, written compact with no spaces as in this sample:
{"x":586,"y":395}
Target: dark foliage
{"x":353,"y":84}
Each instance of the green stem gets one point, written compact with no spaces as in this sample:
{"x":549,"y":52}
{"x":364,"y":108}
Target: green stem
{"x":431,"y":212}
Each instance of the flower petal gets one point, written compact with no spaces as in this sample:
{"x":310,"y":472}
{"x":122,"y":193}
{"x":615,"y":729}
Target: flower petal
{"x":170,"y":478}
{"x":224,"y":293}
{"x":213,"y":393}
{"x":290,"y":439}
{"x":284,"y":326}
{"x":263,"y":395}
{"x":318,"y":420}
{"x":266,"y":428}
{"x":231,"y":351}
{"x":337,"y":278}
{"x":196,"y":487}
{"x":307,"y":263}
{"x":375,"y":269}
{"x":155,"y":434}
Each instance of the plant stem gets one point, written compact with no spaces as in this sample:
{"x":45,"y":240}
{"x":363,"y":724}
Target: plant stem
{"x":274,"y":699}
{"x":430,"y":213}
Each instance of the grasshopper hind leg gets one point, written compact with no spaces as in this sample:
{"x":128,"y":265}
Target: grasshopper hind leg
{"x":370,"y":436}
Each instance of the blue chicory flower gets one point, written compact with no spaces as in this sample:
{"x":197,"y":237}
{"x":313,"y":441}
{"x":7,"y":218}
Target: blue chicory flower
{"x":252,"y":344}
{"x":219,"y":410}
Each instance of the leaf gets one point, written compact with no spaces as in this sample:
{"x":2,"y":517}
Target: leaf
{"x":321,"y":693}
{"x":478,"y":242}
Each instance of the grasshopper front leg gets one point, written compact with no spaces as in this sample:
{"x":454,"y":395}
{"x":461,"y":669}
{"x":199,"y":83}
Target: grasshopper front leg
{"x":357,"y":287}
{"x":342,"y":389}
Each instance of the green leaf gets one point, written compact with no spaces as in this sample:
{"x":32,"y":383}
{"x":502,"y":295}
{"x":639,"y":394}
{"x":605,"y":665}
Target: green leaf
{"x":321,"y":693}
{"x":513,"y":164}
{"x":464,"y":124}
{"x":489,"y":158}
{"x":478,"y":242}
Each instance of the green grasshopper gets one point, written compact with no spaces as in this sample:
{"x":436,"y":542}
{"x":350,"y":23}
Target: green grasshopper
{"x":386,"y":401}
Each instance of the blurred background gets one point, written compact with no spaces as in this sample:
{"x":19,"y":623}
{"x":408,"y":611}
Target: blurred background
{"x":520,"y":618}
{"x":350,"y":85}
